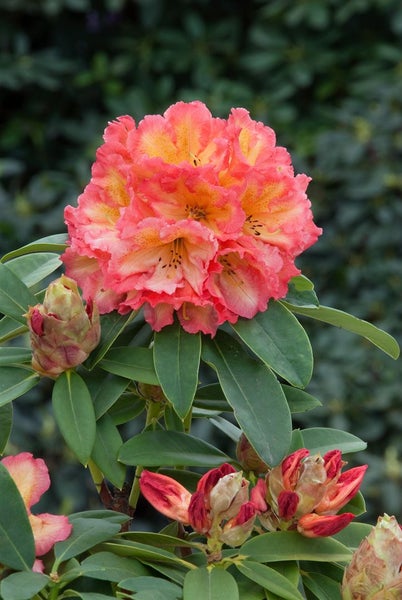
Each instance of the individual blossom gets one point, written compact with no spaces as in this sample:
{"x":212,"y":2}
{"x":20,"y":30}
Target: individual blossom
{"x":305,"y":492}
{"x":375,"y":571}
{"x":31,"y":477}
{"x":219,"y":508}
{"x":189,"y":215}
{"x":63,"y":330}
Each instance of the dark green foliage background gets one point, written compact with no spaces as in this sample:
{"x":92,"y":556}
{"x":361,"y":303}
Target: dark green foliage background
{"x":325,"y":74}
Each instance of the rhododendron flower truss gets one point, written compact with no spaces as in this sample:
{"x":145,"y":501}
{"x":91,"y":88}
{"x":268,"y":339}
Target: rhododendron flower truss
{"x":31,"y":477}
{"x":189,"y":214}
{"x":219,"y":508}
{"x":305,"y":492}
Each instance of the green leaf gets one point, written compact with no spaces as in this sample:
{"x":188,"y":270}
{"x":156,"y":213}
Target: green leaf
{"x":299,"y":400}
{"x":32,"y":268}
{"x":158,"y":588}
{"x":17,"y":549}
{"x":6,"y":423}
{"x":109,"y":567}
{"x":74,"y":414}
{"x":50,"y":243}
{"x":353,"y":534}
{"x":301,"y":292}
{"x":105,"y":389}
{"x":10,"y":329}
{"x":210,"y":583}
{"x":269,"y":579}
{"x":112,"y":325}
{"x":336,"y":317}
{"x":255,"y":395}
{"x":145,"y":553}
{"x":177,"y":361}
{"x":22,"y":586}
{"x":106,"y":447}
{"x":323,"y":587}
{"x":87,"y":533}
{"x":170,"y":448}
{"x":279,"y":340}
{"x":15,"y":297}
{"x":160,"y":540}
{"x":290,"y":545}
{"x":103,"y":514}
{"x":11,"y":355}
{"x":14,"y":382}
{"x":323,"y":439}
{"x":133,"y":363}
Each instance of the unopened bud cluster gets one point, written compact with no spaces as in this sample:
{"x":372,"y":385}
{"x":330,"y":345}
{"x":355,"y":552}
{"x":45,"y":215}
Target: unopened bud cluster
{"x":63,"y":330}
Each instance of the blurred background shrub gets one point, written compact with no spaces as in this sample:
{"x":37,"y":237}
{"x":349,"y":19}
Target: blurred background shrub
{"x":327,"y":76}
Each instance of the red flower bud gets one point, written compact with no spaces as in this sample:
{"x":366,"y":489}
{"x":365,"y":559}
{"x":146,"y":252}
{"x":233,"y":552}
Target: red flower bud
{"x":166,"y":494}
{"x":313,"y":525}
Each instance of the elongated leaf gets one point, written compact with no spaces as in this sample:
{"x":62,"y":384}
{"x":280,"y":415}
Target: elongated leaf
{"x":32,"y":268}
{"x":112,"y":325}
{"x":336,"y":317}
{"x":22,"y":586}
{"x":14,"y":382}
{"x":86,"y":534}
{"x":301,"y":292}
{"x":74,"y":414}
{"x":105,"y":389}
{"x":155,"y":586}
{"x":6,"y":422}
{"x":145,"y":553}
{"x":10,"y":329}
{"x":255,"y":395}
{"x":170,"y":448}
{"x":15,"y":297}
{"x":103,"y":514}
{"x":269,"y":579}
{"x":109,"y":567}
{"x":299,"y":400}
{"x":106,"y":447}
{"x":17,"y":549}
{"x":279,"y":340}
{"x":323,"y":587}
{"x":210,"y":584}
{"x":133,"y":363}
{"x":177,"y":361}
{"x":50,"y":243}
{"x":13,"y":355}
{"x":353,"y":534}
{"x":323,"y":439}
{"x":289,"y":545}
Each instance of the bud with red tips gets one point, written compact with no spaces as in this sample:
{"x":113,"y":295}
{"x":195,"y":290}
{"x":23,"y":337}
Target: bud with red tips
{"x":314,"y":525}
{"x":166,"y":494}
{"x":63,"y":331}
{"x":305,"y":492}
{"x":375,"y":571}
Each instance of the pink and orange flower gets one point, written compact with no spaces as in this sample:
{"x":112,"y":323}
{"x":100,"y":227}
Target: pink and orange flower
{"x":31,"y":476}
{"x":191,"y":215}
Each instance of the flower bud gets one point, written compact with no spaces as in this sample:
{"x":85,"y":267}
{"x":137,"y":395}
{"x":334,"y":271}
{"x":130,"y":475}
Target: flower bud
{"x":248,"y":457}
{"x":166,"y":495}
{"x":63,"y":331}
{"x":238,"y":529}
{"x":375,"y":571}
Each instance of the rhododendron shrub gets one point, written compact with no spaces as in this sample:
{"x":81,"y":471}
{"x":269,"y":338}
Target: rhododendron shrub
{"x":189,"y":214}
{"x":175,"y":318}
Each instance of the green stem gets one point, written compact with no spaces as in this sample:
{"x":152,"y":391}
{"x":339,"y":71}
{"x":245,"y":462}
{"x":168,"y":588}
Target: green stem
{"x":96,"y":474}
